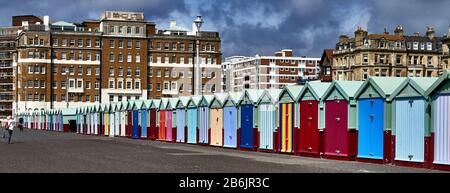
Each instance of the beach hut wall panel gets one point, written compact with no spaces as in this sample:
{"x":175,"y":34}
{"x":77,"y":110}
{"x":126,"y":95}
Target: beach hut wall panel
{"x":181,"y":125}
{"x":230,"y":117}
{"x":162,"y":125}
{"x":107,"y":124}
{"x":168,"y":123}
{"x":116,"y":123}
{"x":441,"y":137}
{"x":267,"y":114}
{"x":112,"y":130}
{"x":192,"y":125}
{"x":144,"y":123}
{"x":216,"y":119}
{"x":288,"y":124}
{"x":409,"y":130}
{"x":312,"y":119}
{"x":181,"y":119}
{"x":123,"y":119}
{"x":216,"y":134}
{"x":203,"y":125}
{"x":135,"y":132}
{"x":370,"y":128}
{"x":340,"y":134}
{"x":153,"y":129}
{"x":439,"y":143}
{"x":248,"y":113}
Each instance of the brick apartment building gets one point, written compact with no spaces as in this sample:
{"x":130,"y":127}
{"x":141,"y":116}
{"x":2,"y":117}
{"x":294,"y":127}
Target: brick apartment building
{"x":119,"y":57}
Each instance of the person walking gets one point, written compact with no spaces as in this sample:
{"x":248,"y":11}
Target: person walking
{"x":20,"y":126}
{"x":11,"y":125}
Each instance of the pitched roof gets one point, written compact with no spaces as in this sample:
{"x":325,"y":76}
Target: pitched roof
{"x":385,"y":86}
{"x":318,"y":89}
{"x":420,"y":84}
{"x":385,"y":36}
{"x":348,"y":88}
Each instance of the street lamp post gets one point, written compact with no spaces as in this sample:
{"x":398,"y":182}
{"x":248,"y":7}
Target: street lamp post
{"x":198,"y":23}
{"x":67,"y":87}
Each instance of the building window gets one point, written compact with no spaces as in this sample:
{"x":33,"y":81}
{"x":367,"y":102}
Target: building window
{"x":72,"y":42}
{"x":158,"y":86}
{"x":138,"y":43}
{"x":63,"y":84}
{"x":119,"y":84}
{"x":120,"y":57}
{"x":64,"y":42}
{"x":111,"y":57}
{"x":158,"y":73}
{"x":97,"y":84}
{"x":415,"y":46}
{"x":429,"y":46}
{"x":80,"y":70}
{"x":88,"y":43}
{"x":111,"y":98}
{"x":128,"y":30}
{"x":97,"y":71}
{"x":80,"y":43}
{"x":129,"y":58}
{"x":150,"y":87}
{"x":96,"y":98}
{"x":128,"y":84}
{"x":166,"y":46}
{"x":97,"y":43}
{"x":129,"y":72}
{"x":97,"y":57}
{"x":88,"y":98}
{"x":166,"y":72}
{"x":71,"y":56}
{"x":88,"y":71}
{"x":120,"y":98}
{"x":88,"y":84}
{"x":120,"y":72}
{"x":158,"y":45}
{"x":63,"y":97}
{"x":111,"y":84}
{"x":53,"y":97}
{"x":111,"y":43}
{"x":129,"y":44}
{"x":398,"y":59}
{"x":138,"y":73}
{"x":138,"y":58}
{"x":79,"y":84}
{"x":150,"y":72}
{"x":71,"y":83}
{"x":54,"y":84}
{"x":88,"y":56}
{"x":120,"y":43}
{"x":111,"y":72}
{"x":166,"y":85}
{"x":137,"y":85}
{"x":365,"y":58}
{"x":71,"y":70}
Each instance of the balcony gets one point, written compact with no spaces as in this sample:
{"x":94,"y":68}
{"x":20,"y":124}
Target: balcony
{"x":75,"y":90}
{"x":170,"y":92}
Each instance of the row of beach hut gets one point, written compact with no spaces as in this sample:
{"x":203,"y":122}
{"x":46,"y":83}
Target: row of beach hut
{"x":398,"y":120}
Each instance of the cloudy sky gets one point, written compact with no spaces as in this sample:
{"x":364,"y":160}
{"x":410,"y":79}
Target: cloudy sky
{"x":250,"y":27}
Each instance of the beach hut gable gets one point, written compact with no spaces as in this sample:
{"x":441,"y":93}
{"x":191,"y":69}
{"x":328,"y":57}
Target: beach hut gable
{"x":265,"y":98}
{"x":369,"y":90}
{"x":245,"y":100}
{"x":229,"y":102}
{"x":216,"y":103}
{"x":335,"y":93}
{"x":308,"y":94}
{"x":441,"y":86}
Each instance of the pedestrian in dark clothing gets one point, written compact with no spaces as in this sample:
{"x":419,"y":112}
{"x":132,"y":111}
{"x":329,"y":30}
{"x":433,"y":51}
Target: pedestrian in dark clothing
{"x":20,"y":126}
{"x":10,"y":128}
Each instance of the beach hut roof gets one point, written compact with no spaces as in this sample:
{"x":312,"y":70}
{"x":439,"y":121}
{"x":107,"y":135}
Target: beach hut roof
{"x":346,"y":88}
{"x":384,"y":86}
{"x":290,"y":93}
{"x":269,"y":96}
{"x":445,"y":76}
{"x":182,"y":102}
{"x":317,"y":90}
{"x":414,"y":86}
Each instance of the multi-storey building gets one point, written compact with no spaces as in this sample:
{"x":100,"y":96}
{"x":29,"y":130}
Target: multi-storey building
{"x":446,"y":51}
{"x":172,"y":54}
{"x":124,"y":55}
{"x":325,"y":65}
{"x":58,"y":65}
{"x":387,"y":54}
{"x":265,"y":72}
{"x":7,"y":52}
{"x":119,"y":57}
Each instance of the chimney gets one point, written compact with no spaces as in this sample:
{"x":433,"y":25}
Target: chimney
{"x":343,"y":38}
{"x":430,"y":32}
{"x":386,"y":32}
{"x":360,"y":34}
{"x":173,"y":24}
{"x":46,"y":22}
{"x":398,"y":30}
{"x":417,"y":34}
